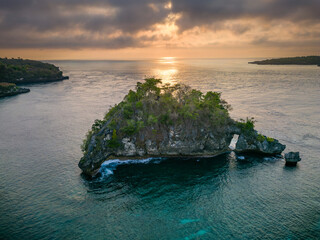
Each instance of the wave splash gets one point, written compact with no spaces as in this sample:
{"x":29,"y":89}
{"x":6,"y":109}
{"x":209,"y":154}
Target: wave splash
{"x":109,"y":166}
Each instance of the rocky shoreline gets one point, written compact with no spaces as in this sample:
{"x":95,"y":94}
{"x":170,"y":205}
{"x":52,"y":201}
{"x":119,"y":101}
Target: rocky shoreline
{"x":38,"y":80}
{"x":9,"y":89}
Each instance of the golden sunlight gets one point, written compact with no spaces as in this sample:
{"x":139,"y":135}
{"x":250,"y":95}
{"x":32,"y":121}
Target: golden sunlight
{"x":168,"y":5}
{"x":168,"y":60}
{"x":167,"y":75}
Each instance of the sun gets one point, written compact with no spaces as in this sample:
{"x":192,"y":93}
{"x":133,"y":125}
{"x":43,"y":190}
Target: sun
{"x":168,"y":60}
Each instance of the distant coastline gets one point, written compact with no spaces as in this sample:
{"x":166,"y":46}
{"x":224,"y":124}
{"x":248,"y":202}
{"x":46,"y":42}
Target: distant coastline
{"x":23,"y":71}
{"x":308,"y":60}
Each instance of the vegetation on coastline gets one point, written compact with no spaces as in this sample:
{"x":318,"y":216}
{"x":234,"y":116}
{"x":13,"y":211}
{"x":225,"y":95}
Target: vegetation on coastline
{"x":10,"y":89}
{"x":155,"y":106}
{"x":28,"y":71}
{"x":308,"y":60}
{"x":160,"y":106}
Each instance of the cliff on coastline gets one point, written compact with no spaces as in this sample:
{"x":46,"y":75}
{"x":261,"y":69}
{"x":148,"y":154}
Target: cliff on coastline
{"x":159,"y":120}
{"x":309,"y":60}
{"x":22,"y":71}
{"x":10,"y":89}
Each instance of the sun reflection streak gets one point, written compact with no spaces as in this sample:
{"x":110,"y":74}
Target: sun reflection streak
{"x":167,"y":75}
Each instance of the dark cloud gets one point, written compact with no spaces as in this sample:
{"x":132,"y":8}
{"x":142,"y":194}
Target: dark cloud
{"x":115,"y":23}
{"x":205,"y":12}
{"x":74,"y":42}
{"x":266,"y":42}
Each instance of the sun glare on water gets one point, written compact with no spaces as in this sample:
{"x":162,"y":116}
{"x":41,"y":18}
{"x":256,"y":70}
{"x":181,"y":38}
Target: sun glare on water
{"x":168,"y":72}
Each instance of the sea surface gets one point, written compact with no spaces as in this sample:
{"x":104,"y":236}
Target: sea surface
{"x":44,"y":196}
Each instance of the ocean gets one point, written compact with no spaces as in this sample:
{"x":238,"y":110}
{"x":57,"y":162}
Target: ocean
{"x":43,"y":194}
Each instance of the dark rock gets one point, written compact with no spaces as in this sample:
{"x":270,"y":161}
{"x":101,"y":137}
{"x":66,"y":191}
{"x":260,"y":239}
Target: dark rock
{"x":251,"y":143}
{"x":174,"y":144}
{"x":292,"y":158}
{"x":39,"y":80}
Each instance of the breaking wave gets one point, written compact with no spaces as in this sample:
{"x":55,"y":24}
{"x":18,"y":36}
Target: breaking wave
{"x":109,"y":166}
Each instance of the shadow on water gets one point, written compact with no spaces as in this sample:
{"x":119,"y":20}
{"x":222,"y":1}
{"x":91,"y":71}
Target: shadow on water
{"x":169,"y":176}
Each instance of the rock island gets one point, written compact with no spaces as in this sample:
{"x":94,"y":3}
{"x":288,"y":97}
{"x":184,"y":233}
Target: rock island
{"x":163,"y":120}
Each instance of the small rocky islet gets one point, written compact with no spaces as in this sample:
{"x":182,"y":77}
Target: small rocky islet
{"x":163,"y":120}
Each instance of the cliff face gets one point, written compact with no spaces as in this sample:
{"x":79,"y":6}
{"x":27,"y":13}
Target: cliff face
{"x":173,"y":141}
{"x":168,"y":121}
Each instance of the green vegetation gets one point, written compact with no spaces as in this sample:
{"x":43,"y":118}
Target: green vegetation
{"x":86,"y":141}
{"x":10,"y":89}
{"x":150,"y":110}
{"x":113,"y":142}
{"x":7,"y":86}
{"x":309,"y":60}
{"x":261,"y":138}
{"x":247,"y":126}
{"x":269,"y":139}
{"x":24,"y":71}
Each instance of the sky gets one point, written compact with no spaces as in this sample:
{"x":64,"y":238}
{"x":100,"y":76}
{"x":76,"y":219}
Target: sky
{"x":138,"y":29}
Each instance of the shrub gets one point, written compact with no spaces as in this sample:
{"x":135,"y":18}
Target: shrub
{"x":86,"y":141}
{"x":112,"y":124}
{"x":152,"y":119}
{"x":139,"y":105}
{"x":261,"y":138}
{"x":165,"y":119}
{"x":113,"y":142}
{"x":130,"y":128}
{"x":128,"y":111}
{"x":132,"y":96}
{"x":97,"y":125}
{"x":269,"y":139}
{"x":247,"y":126}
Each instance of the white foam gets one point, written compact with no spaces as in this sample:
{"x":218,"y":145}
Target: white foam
{"x":109,"y":166}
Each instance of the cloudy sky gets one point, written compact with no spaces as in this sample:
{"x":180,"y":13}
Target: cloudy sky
{"x":127,"y":29}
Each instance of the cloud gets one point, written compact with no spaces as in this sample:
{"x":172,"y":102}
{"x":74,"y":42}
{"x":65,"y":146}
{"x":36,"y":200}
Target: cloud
{"x":114,"y":24}
{"x":208,"y":11}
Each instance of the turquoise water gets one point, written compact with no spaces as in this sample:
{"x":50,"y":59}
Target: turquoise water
{"x":44,"y":196}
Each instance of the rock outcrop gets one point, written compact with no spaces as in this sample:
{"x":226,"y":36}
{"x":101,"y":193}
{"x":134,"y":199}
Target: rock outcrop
{"x":264,"y":145}
{"x":292,"y":158}
{"x":169,"y":121}
{"x":10,"y":89}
